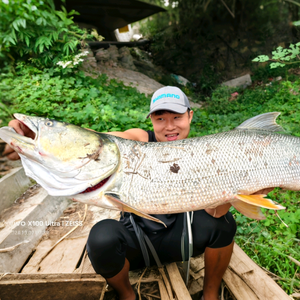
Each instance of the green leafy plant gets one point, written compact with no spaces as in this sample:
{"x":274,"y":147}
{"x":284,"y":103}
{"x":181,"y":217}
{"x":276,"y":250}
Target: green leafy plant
{"x":72,"y":97}
{"x":5,"y":114}
{"x":35,"y":30}
{"x":282,"y":56}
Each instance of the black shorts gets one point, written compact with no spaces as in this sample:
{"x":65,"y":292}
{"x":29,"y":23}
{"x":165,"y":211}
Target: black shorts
{"x":110,"y":242}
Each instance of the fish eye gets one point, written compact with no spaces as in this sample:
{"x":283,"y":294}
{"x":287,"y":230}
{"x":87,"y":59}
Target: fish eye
{"x":49,"y":123}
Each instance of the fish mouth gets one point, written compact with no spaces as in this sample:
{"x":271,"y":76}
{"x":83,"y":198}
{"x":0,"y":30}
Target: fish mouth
{"x":30,"y":122}
{"x":97,"y":186}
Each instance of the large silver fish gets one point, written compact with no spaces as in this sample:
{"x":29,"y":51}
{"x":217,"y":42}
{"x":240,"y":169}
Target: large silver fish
{"x":159,"y":178}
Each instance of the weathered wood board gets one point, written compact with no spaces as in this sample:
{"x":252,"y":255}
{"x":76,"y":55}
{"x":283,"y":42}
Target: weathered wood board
{"x":85,"y":266}
{"x":246,"y":280}
{"x":177,"y":282}
{"x":62,"y":259}
{"x":51,"y":286}
{"x":66,"y":256}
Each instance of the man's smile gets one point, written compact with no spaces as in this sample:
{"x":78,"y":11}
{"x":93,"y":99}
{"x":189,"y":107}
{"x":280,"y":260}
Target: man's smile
{"x":172,"y":137}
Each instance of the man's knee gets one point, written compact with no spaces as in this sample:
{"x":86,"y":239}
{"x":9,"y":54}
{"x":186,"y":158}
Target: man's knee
{"x":106,"y":247}
{"x":104,"y":236}
{"x":214,"y":232}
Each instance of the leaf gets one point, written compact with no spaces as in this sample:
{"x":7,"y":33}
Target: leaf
{"x":41,"y":48}
{"x":276,"y":64}
{"x":15,"y":25}
{"x":27,"y":41}
{"x":10,"y":39}
{"x":23,"y":22}
{"x":296,"y":23}
{"x":39,"y":21}
{"x":261,"y":58}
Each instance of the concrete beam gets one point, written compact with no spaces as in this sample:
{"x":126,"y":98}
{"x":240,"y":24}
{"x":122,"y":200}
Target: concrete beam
{"x":24,"y":225}
{"x":12,"y":185}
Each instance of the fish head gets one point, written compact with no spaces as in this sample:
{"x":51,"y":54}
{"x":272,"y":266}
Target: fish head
{"x":64,"y":151}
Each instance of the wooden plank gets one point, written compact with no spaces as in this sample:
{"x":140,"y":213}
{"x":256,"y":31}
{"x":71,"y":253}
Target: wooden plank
{"x":62,"y":259}
{"x":86,"y":265}
{"x":53,"y":277}
{"x":94,"y":215}
{"x":238,"y":287}
{"x":162,"y":289}
{"x":246,"y":280}
{"x":197,"y":263}
{"x":177,"y":282}
{"x":59,"y":286}
{"x":65,"y":256}
{"x":51,"y":286}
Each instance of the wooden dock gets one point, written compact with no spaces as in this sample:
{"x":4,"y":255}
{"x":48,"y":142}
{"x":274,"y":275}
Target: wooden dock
{"x":50,"y":260}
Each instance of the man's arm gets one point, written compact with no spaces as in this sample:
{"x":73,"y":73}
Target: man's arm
{"x":135,"y":134}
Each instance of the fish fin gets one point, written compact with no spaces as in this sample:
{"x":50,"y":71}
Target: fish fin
{"x":249,"y":210}
{"x":265,"y":121}
{"x":124,"y":207}
{"x":259,"y":200}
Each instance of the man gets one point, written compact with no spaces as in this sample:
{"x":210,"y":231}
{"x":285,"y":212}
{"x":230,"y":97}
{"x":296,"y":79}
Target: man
{"x":113,"y":247}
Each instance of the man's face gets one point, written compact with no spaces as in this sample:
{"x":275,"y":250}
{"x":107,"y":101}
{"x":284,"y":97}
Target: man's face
{"x":171,"y":126}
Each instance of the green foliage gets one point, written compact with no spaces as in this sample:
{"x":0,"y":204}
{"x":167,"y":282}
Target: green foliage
{"x":160,"y":21}
{"x":72,"y":97}
{"x":5,"y":114}
{"x":222,"y":113}
{"x":281,"y":56}
{"x":263,"y":74}
{"x":187,"y":40}
{"x":34,"y":30}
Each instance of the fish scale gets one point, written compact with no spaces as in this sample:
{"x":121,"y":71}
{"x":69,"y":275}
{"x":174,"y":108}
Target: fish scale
{"x":212,"y":169}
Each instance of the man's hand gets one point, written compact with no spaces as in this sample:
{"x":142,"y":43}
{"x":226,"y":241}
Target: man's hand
{"x":223,"y":209}
{"x":219,"y":211}
{"x":264,"y":191}
{"x":22,"y":129}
